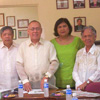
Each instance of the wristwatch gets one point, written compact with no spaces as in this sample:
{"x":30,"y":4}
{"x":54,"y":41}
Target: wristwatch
{"x":46,"y":76}
{"x":88,"y":81}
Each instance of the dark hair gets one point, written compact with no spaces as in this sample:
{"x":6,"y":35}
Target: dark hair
{"x":79,"y":19}
{"x":5,"y":28}
{"x":59,"y":21}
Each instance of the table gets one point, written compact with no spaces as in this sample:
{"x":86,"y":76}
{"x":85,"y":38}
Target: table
{"x":41,"y":97}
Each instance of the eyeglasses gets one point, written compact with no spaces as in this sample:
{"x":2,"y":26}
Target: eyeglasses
{"x":89,"y":36}
{"x":37,"y":29}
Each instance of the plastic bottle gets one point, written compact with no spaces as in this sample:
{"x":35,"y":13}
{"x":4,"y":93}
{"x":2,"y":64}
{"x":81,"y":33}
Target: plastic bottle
{"x":68,"y":93}
{"x":46,"y":88}
{"x":74,"y":96}
{"x":0,"y":96}
{"x":20,"y":89}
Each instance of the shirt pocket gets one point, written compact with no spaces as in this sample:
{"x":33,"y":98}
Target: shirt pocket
{"x":92,"y":61}
{"x":80,"y":62}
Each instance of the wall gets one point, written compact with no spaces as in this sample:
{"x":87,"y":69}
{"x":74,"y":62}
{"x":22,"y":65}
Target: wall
{"x":20,"y":12}
{"x":48,"y":14}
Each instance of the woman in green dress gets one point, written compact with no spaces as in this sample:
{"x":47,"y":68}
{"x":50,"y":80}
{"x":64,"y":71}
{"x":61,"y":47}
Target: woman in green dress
{"x":66,"y":47}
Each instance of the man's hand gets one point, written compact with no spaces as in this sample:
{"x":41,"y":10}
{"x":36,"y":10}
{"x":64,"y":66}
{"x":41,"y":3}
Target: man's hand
{"x":27,"y":87}
{"x":42,"y":82}
{"x":82,"y":86}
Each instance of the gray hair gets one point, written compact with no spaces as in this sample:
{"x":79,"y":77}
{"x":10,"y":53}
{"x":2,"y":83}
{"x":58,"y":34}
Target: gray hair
{"x":35,"y":21}
{"x":6,"y":28}
{"x":89,"y":27}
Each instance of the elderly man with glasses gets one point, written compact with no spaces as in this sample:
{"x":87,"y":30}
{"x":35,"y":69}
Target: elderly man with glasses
{"x":86,"y":71}
{"x":36,"y":59}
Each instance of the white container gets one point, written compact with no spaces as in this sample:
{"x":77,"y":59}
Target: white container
{"x":46,"y":88}
{"x":20,"y":89}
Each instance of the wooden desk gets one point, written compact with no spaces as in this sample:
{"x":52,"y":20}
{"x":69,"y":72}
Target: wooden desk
{"x":41,"y":97}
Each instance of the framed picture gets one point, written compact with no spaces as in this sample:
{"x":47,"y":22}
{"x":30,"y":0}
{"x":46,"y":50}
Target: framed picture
{"x":2,"y":23}
{"x":15,"y":37}
{"x":22,"y":23}
{"x":10,"y":21}
{"x":97,"y":42}
{"x":22,"y":34}
{"x":77,"y":4}
{"x":62,"y":4}
{"x":94,"y":3}
{"x":0,"y":38}
{"x":79,"y":23}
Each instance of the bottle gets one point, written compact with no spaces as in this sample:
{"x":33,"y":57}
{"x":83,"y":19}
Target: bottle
{"x":46,"y":88}
{"x":74,"y":96}
{"x":20,"y":89}
{"x":0,"y":96}
{"x":68,"y":93}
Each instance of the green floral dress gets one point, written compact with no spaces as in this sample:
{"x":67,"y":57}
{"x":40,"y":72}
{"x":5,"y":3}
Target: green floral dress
{"x":66,"y":55}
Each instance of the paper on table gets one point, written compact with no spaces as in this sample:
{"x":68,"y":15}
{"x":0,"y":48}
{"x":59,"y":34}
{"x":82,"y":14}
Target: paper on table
{"x":39,"y":91}
{"x":84,"y":93}
{"x":3,"y":90}
{"x":35,"y":91}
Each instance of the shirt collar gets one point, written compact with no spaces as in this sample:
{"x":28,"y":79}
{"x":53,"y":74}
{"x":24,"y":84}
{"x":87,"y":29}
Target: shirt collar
{"x":91,"y":49}
{"x":2,"y":45}
{"x":41,"y":41}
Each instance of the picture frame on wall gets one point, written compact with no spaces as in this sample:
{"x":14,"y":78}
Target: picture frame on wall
{"x":22,"y":34}
{"x":22,"y":23}
{"x":94,"y":3}
{"x":79,"y":23}
{"x":0,"y":38}
{"x":77,"y":4}
{"x":97,"y":42}
{"x":62,"y":4}
{"x":15,"y":36}
{"x":10,"y":21}
{"x":2,"y":23}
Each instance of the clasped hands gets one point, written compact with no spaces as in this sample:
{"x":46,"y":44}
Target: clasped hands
{"x":82,"y":86}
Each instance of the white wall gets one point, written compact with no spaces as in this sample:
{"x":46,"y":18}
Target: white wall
{"x":48,"y":14}
{"x":20,"y":12}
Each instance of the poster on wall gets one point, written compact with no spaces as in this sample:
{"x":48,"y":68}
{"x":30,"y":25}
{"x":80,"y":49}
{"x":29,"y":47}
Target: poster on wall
{"x":79,"y":23}
{"x":23,"y":23}
{"x":22,"y":34}
{"x":62,"y":4}
{"x":2,"y":19}
{"x":10,"y":21}
{"x":14,"y":37}
{"x":77,"y":4}
{"x":94,"y":3}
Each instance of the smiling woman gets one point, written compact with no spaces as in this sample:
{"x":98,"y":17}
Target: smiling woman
{"x":66,"y":47}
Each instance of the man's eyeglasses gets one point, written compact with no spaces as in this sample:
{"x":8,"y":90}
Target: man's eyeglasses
{"x":37,"y":29}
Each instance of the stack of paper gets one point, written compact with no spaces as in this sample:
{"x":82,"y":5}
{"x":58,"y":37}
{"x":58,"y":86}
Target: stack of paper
{"x":35,"y":91}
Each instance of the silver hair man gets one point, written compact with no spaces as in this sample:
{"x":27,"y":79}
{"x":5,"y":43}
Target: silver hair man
{"x":89,"y":27}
